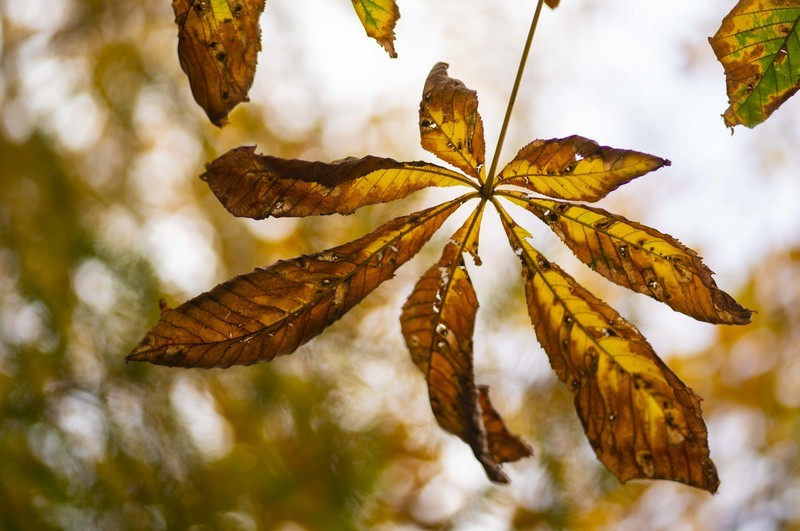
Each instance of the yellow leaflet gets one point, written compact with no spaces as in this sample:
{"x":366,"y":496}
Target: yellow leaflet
{"x":641,"y":420}
{"x":379,"y":18}
{"x":221,"y":10}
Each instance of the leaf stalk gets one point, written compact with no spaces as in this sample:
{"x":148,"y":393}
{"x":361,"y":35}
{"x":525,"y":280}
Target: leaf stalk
{"x":515,"y":89}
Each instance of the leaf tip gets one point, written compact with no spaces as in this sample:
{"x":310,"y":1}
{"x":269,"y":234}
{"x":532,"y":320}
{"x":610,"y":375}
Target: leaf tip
{"x":493,"y":470}
{"x":221,"y":121}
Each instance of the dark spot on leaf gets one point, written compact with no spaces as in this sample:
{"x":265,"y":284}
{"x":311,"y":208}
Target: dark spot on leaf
{"x":543,"y":263}
{"x":603,"y":224}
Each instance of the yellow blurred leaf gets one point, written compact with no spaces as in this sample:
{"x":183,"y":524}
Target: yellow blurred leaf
{"x":640,"y":258}
{"x":576,"y":168}
{"x":438,"y":321}
{"x":272,"y":311}
{"x":641,"y":420}
{"x":449,"y":123}
{"x":379,"y":18}
{"x":758,"y":45}
{"x":218,"y":42}
{"x":259,"y":186}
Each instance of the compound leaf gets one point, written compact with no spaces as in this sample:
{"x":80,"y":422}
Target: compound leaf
{"x":758,"y":45}
{"x":379,"y":18}
{"x":640,"y":418}
{"x":259,"y":186}
{"x":640,"y":258}
{"x":449,"y":123}
{"x":272,"y":311}
{"x":576,"y":168}
{"x":218,"y":44}
{"x":438,"y":321}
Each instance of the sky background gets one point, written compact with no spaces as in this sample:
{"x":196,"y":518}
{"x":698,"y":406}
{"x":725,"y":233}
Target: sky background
{"x":629,"y":75}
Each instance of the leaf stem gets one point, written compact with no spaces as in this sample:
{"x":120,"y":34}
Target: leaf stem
{"x":524,"y":59}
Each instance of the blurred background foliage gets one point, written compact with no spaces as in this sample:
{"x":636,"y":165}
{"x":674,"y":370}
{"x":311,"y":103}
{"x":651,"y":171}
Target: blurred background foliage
{"x":101,"y":214}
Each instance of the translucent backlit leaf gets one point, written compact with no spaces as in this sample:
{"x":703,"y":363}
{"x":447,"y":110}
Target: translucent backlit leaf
{"x":758,"y":45}
{"x":272,"y":311}
{"x":552,"y":4}
{"x":576,"y":168}
{"x":438,"y":321}
{"x":449,"y":123}
{"x":641,"y":420}
{"x":379,"y":18}
{"x":218,"y":44}
{"x":640,"y":258}
{"x":260,"y":186}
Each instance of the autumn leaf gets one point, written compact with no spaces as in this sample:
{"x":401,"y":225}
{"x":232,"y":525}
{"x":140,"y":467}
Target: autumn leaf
{"x":758,"y":45}
{"x":504,"y":446}
{"x":449,"y":123}
{"x":218,"y":41}
{"x":438,"y":321}
{"x":641,"y":420}
{"x":259,"y":186}
{"x":576,"y":168}
{"x":379,"y":18}
{"x":638,"y":257}
{"x":272,"y":311}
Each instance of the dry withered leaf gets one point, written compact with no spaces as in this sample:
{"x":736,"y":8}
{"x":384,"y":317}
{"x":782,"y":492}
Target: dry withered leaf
{"x":218,"y":45}
{"x":758,"y":45}
{"x":379,"y":18}
{"x":639,"y":258}
{"x":449,"y":123}
{"x":576,"y":168}
{"x":272,"y":311}
{"x":259,"y":186}
{"x":438,"y":321}
{"x":504,"y":446}
{"x":642,"y":421}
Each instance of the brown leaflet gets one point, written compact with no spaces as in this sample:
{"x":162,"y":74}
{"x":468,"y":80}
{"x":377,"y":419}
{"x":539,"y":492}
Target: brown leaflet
{"x":259,"y":186}
{"x":218,"y":41}
{"x":576,"y":168}
{"x":640,"y":258}
{"x":552,"y":4}
{"x":438,"y":321}
{"x":504,"y":446}
{"x":640,"y":418}
{"x":379,"y":18}
{"x":449,"y":124}
{"x":271,"y":311}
